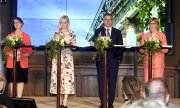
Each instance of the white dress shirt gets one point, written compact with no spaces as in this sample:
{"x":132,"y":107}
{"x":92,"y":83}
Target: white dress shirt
{"x":110,"y":29}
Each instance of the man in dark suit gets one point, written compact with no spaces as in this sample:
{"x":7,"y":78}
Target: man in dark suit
{"x":114,"y":57}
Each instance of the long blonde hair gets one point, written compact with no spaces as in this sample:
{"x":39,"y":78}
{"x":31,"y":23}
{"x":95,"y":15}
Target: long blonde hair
{"x":3,"y":79}
{"x":64,"y":17}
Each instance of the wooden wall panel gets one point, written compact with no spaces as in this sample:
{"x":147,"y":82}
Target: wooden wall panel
{"x":89,"y":86}
{"x":86,"y":80}
{"x":85,"y":72}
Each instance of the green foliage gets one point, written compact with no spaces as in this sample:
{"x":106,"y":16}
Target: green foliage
{"x":12,"y":41}
{"x":102,"y":43}
{"x":53,"y":46}
{"x":144,"y":8}
{"x":152,"y":44}
{"x":9,"y":43}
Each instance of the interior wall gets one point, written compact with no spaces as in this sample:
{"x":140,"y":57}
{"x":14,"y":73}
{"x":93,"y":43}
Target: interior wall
{"x":8,"y":11}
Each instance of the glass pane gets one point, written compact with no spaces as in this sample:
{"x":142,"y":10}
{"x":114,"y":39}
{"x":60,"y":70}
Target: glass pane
{"x":40,"y":30}
{"x":81,"y":28}
{"x":82,"y":9}
{"x":44,"y":9}
{"x":41,"y":18}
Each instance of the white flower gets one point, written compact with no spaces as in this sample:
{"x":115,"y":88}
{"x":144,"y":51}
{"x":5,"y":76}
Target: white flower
{"x":57,"y":37}
{"x":10,"y":38}
{"x":67,"y":40}
{"x":152,"y":43}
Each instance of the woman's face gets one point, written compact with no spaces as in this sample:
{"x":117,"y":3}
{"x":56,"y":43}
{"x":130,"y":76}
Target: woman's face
{"x":17,"y":24}
{"x":153,"y":26}
{"x":64,"y":24}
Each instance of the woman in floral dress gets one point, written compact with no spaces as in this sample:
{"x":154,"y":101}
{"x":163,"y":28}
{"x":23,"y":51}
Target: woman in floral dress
{"x":158,"y":62}
{"x":67,"y":65}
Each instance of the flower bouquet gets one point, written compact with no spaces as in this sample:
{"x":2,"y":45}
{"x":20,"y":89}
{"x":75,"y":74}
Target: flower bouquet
{"x":54,"y":44}
{"x":153,"y":44}
{"x":101,"y":43}
{"x":9,"y":43}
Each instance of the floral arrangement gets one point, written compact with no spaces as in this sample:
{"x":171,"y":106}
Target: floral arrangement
{"x":12,"y":41}
{"x":9,"y":43}
{"x":101,"y":43}
{"x":153,"y":44}
{"x":54,"y":44}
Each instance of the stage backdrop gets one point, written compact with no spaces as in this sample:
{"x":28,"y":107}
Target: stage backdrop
{"x":41,"y":17}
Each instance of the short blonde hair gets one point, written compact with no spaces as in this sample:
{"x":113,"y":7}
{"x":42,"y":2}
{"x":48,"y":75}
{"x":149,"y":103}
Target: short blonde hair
{"x":156,"y":20}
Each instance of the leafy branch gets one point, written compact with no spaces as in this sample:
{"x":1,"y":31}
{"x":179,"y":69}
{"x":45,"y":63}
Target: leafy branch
{"x":144,"y":8}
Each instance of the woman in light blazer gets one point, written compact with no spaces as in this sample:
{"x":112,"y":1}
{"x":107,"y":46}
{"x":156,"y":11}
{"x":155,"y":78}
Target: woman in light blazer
{"x":158,"y":60}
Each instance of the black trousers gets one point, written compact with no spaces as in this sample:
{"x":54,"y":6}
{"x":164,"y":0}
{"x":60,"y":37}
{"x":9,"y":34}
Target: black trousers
{"x":113,"y":65}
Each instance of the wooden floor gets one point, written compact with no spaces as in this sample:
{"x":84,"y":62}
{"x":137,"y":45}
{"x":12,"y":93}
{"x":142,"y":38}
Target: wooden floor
{"x":78,"y":102}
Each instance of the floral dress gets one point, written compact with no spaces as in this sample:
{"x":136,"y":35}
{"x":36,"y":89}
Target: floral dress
{"x":67,"y":67}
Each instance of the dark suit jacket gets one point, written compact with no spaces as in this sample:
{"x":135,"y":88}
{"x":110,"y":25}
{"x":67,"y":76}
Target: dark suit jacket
{"x":116,"y":36}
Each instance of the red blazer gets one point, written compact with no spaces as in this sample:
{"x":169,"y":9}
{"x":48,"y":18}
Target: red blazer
{"x":23,"y":61}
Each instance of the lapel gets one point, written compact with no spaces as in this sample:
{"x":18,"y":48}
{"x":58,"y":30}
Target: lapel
{"x":113,"y":35}
{"x":103,"y":31}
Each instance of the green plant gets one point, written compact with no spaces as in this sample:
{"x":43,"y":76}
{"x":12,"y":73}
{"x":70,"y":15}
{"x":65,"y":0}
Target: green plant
{"x":144,"y":8}
{"x":9,"y":43}
{"x":102,"y":43}
{"x":152,"y":44}
{"x":53,"y":46}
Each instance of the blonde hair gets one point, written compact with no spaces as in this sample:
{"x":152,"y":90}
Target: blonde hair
{"x":64,"y":17}
{"x":3,"y":79}
{"x":2,"y":106}
{"x":132,"y":88}
{"x":156,"y":20}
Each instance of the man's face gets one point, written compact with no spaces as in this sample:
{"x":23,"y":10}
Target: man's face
{"x":108,"y":21}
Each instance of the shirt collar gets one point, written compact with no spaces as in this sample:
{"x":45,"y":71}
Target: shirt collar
{"x":110,"y":28}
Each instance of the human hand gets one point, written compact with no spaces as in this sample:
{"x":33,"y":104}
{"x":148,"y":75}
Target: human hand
{"x":99,"y":35}
{"x":18,"y":55}
{"x":72,"y":42}
{"x":10,"y":55}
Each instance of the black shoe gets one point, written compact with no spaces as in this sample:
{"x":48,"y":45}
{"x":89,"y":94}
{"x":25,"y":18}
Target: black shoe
{"x":110,"y":106}
{"x":65,"y":107}
{"x":61,"y":106}
{"x":100,"y":106}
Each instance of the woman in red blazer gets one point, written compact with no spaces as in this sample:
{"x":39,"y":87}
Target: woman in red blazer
{"x":22,"y":58}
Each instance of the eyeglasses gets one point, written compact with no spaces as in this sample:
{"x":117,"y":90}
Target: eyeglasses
{"x":16,"y":22}
{"x":108,"y":19}
{"x":151,"y":23}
